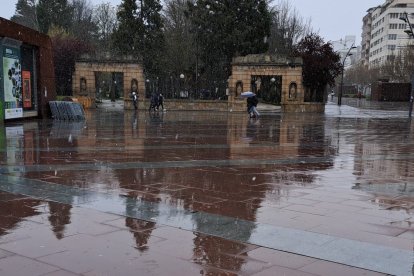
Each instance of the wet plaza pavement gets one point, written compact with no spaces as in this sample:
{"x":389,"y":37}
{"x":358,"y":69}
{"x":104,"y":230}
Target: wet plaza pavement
{"x":201,"y":193}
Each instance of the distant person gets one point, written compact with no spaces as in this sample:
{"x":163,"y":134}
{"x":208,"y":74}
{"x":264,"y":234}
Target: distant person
{"x":134,"y":93}
{"x":252,"y":106}
{"x":153,"y":102}
{"x":160,"y":102}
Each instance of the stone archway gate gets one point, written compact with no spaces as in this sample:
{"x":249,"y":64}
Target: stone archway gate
{"x":244,"y":70}
{"x":84,"y":83}
{"x":247,"y":69}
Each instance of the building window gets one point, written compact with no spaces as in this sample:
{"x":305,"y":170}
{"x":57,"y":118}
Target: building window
{"x":394,"y":15}
{"x":391,"y":47}
{"x":392,"y":36}
{"x":393,"y":26}
{"x":401,"y":26}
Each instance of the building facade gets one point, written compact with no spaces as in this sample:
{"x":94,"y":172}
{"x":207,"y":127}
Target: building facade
{"x":342,"y":47}
{"x":27,"y":80}
{"x":383,"y":33}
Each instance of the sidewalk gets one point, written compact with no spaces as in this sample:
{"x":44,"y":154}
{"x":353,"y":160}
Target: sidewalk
{"x":199,"y":193}
{"x":268,"y":108}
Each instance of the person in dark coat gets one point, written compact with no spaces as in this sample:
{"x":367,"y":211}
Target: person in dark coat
{"x":153,"y":102}
{"x":251,"y":106}
{"x":160,"y":102}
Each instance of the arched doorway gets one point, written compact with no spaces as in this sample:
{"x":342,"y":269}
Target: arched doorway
{"x":109,"y":79}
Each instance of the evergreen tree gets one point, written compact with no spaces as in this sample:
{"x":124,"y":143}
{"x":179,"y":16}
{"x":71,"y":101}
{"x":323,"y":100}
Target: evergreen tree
{"x":126,"y":37}
{"x":225,"y":29}
{"x":139,"y":33}
{"x":26,"y":14}
{"x":153,"y":36}
{"x":54,"y":12}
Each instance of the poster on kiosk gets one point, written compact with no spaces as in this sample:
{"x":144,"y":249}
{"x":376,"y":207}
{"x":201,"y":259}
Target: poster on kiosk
{"x":12,"y":76}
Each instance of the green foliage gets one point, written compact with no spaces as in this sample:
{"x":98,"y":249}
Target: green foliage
{"x":320,"y":64}
{"x":225,"y":29}
{"x":127,"y":37}
{"x":26,"y":14}
{"x":140,"y":33}
{"x":154,"y":40}
{"x":54,"y":12}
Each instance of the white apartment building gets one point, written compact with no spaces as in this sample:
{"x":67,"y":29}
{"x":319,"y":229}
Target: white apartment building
{"x":383,"y":31}
{"x":342,"y":47}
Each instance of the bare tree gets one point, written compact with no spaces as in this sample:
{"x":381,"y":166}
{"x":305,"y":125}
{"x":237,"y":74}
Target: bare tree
{"x":105,"y":19}
{"x":25,"y":14}
{"x":288,"y":27}
{"x":180,"y":38}
{"x":399,"y":67}
{"x":361,"y":74}
{"x":83,"y":26}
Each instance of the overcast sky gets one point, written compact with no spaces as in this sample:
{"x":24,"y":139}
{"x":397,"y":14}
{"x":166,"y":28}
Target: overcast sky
{"x":333,"y":19}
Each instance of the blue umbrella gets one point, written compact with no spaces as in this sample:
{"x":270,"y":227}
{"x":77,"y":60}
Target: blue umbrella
{"x":247,"y":94}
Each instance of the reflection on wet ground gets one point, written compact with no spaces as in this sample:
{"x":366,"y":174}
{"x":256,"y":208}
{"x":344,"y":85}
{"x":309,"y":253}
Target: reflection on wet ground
{"x":184,"y":193}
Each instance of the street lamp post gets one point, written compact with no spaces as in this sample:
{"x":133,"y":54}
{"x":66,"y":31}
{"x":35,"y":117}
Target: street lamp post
{"x":182,"y":93}
{"x":411,"y":34}
{"x":148,"y":91}
{"x":342,"y":74}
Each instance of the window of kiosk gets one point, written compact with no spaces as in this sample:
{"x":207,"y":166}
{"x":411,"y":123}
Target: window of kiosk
{"x":28,"y":60}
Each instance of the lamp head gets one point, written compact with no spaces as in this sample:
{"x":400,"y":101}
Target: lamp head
{"x":404,"y":17}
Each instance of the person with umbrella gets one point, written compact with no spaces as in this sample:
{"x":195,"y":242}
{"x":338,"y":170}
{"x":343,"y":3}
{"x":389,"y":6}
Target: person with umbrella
{"x":252,"y":102}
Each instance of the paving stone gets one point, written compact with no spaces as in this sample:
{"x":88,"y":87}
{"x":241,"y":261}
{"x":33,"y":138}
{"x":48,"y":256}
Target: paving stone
{"x":213,"y":193}
{"x":17,"y":265}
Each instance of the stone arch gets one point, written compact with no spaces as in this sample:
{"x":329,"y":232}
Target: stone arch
{"x":248,"y":69}
{"x":85,"y":69}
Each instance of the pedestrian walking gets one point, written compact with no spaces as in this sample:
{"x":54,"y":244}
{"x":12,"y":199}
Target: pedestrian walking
{"x":160,"y":102}
{"x":252,"y":106}
{"x":153,"y":102}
